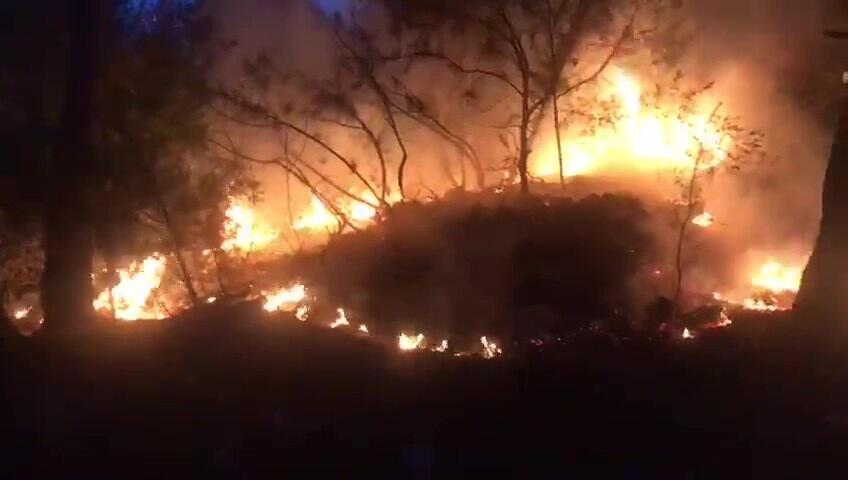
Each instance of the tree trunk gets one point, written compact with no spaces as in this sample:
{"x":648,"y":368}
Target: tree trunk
{"x":524,"y":140}
{"x":825,"y":282}
{"x":66,"y":283}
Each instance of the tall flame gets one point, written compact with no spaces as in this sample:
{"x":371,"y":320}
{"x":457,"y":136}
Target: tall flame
{"x":242,"y":230}
{"x":641,"y":138}
{"x":133,"y":295}
{"x":317,"y":217}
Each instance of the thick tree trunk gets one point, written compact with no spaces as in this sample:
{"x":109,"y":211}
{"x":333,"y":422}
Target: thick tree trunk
{"x":66,"y":283}
{"x":825,"y":283}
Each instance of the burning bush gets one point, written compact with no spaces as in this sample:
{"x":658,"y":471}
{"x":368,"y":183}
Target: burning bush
{"x":476,"y":263}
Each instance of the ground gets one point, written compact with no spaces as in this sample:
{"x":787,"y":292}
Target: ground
{"x":230,"y":392}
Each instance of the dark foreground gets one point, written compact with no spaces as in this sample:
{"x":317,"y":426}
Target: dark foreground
{"x":225,"y":398}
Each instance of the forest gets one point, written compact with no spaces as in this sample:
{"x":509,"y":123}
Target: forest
{"x":235,"y":235}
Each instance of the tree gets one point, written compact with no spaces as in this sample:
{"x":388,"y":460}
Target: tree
{"x":526,"y":50}
{"x":108,"y":157}
{"x":66,"y":281}
{"x":821,"y":295}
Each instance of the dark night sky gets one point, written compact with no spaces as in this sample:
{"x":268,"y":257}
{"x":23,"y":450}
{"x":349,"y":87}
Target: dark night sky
{"x":330,"y":6}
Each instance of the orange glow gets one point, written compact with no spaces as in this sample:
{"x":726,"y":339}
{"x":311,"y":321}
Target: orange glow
{"x":642,"y":138}
{"x":776,"y":277}
{"x":704,"y":220}
{"x":317,"y":217}
{"x":242,"y":231}
{"x":302,"y":313}
{"x":490,"y":349}
{"x":687,"y":334}
{"x":133,"y":295}
{"x":406,"y":342}
{"x":285,"y":298}
{"x":341,"y":319}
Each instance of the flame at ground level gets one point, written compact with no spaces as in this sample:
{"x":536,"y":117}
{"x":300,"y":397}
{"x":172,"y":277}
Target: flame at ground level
{"x":132,"y":297}
{"x":776,"y":277}
{"x":407,"y":342}
{"x":285,"y":298}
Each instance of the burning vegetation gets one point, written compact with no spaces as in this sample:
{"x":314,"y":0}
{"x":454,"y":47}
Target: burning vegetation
{"x":584,"y":200}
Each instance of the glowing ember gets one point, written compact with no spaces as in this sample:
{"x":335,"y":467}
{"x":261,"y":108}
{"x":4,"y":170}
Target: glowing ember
{"x":363,"y":328}
{"x":723,"y":320}
{"x":211,"y":299}
{"x":133,"y":296}
{"x":641,"y":138}
{"x":778,"y":278}
{"x":317,"y":217}
{"x":406,"y":342}
{"x":341,"y":319}
{"x":22,"y":312}
{"x":285,"y":299}
{"x":704,"y":220}
{"x":441,"y":347}
{"x":687,"y":334}
{"x":302,"y":313}
{"x":490,"y":349}
{"x":242,"y":231}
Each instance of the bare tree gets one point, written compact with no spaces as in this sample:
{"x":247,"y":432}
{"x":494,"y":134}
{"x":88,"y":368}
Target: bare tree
{"x":526,"y":49}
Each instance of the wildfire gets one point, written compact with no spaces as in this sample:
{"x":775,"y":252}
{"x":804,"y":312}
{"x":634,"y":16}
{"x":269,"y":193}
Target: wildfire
{"x":687,"y":334}
{"x":704,"y":220}
{"x":406,"y":342}
{"x":490,"y":349}
{"x":441,"y":347}
{"x":760,"y":305}
{"x":642,"y":137}
{"x":363,"y":329}
{"x":22,"y":312}
{"x":132,"y":296}
{"x":317,"y":217}
{"x":242,"y":231}
{"x":777,"y":278}
{"x":285,"y":298}
{"x":361,"y":212}
{"x":341,"y":319}
{"x":302,"y":313}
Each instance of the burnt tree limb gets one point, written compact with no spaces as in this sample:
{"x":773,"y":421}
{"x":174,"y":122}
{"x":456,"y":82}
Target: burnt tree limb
{"x":824,"y":287}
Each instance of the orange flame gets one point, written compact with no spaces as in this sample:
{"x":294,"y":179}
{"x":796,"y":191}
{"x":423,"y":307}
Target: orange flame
{"x":406,"y":342}
{"x":490,"y":349}
{"x":704,"y":220}
{"x":285,"y":298}
{"x":132,"y":297}
{"x":242,"y":231}
{"x":776,"y":277}
{"x":643,"y":138}
{"x":341,"y":319}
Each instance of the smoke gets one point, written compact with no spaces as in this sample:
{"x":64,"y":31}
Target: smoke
{"x":776,"y":71}
{"x":772,"y":66}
